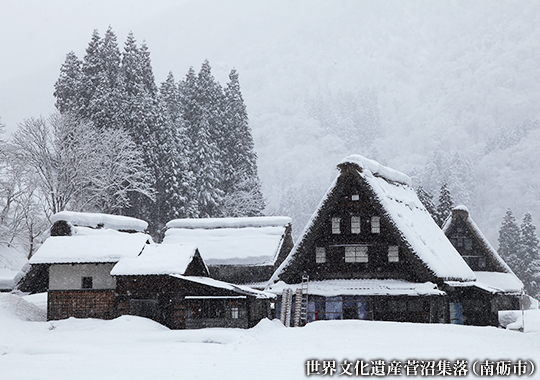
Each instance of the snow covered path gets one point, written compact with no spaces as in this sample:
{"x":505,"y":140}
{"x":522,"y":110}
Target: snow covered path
{"x":137,"y":348}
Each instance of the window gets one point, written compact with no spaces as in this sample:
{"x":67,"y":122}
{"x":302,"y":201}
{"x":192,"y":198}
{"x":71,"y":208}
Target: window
{"x":482,"y":262}
{"x":320,"y":255}
{"x":235,"y":313}
{"x":87,"y":283}
{"x":356,"y":254}
{"x":336,"y":226}
{"x":355,"y":224}
{"x":468,"y":244}
{"x":355,"y":197}
{"x":393,"y":254}
{"x":375,"y":224}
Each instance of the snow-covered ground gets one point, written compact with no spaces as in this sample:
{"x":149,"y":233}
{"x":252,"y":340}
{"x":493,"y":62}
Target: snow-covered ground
{"x":137,"y":348}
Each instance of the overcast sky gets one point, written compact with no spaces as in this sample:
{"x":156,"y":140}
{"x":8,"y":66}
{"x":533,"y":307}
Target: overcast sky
{"x":36,"y":35}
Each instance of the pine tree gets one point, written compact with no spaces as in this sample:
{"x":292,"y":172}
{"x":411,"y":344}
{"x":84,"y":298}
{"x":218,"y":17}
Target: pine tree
{"x":446,"y":203}
{"x":207,"y":177}
{"x":68,"y":89}
{"x":241,"y":183}
{"x":529,"y":256}
{"x":101,"y":81}
{"x":427,"y":200}
{"x":509,"y":242}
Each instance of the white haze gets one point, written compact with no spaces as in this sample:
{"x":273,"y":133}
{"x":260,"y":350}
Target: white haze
{"x":446,"y":76}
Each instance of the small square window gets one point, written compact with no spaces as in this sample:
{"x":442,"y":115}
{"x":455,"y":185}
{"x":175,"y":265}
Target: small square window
{"x":87,"y":283}
{"x":355,"y":197}
{"x":375,"y":224}
{"x":393,"y":254}
{"x":482,"y":262}
{"x":355,"y":224}
{"x":320,"y":255}
{"x":356,"y":254}
{"x":336,"y":228}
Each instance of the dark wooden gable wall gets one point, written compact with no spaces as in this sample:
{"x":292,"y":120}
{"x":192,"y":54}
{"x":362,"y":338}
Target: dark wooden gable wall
{"x":353,"y":197}
{"x":470,"y":246}
{"x":196,"y":267}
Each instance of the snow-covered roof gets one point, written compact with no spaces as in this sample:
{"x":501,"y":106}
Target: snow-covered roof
{"x":493,"y":282}
{"x":464,"y":212}
{"x":95,"y":220}
{"x":242,"y":289}
{"x":212,"y":223}
{"x":367,"y":287}
{"x":401,"y":204}
{"x":505,"y":282}
{"x":231,"y":241}
{"x":106,"y":246}
{"x":377,"y":169}
{"x":157,"y":259}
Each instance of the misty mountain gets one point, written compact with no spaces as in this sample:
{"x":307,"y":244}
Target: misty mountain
{"x":398,"y":82}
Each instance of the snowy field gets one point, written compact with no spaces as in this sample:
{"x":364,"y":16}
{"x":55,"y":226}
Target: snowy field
{"x":137,"y":348}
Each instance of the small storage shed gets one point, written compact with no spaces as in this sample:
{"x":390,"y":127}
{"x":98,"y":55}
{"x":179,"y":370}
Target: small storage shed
{"x":79,"y":255}
{"x":169,"y":283}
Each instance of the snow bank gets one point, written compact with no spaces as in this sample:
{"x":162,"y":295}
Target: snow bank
{"x":38,"y":299}
{"x":95,"y":220}
{"x":210,"y":223}
{"x":233,"y":246}
{"x":104,"y":247}
{"x":14,"y":307}
{"x":11,"y":263}
{"x":157,"y":259}
{"x":513,"y":320}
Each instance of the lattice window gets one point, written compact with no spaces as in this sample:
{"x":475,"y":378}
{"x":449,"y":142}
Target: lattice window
{"x":320,"y":255}
{"x":355,"y":224}
{"x":375,"y":224}
{"x":393,"y":254}
{"x":336,"y":226}
{"x":356,"y":254}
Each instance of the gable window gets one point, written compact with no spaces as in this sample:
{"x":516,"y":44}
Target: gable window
{"x":356,"y":254}
{"x":336,"y":229}
{"x":482,"y":262}
{"x":393,"y":254}
{"x":375,"y":224}
{"x":320,"y":255}
{"x":355,"y":197}
{"x":355,"y":224}
{"x":87,"y":283}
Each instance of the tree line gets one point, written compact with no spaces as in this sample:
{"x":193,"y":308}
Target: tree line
{"x":519,"y":247}
{"x":122,"y":144}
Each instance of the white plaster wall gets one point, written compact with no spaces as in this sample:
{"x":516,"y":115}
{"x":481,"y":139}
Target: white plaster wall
{"x":69,"y":276}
